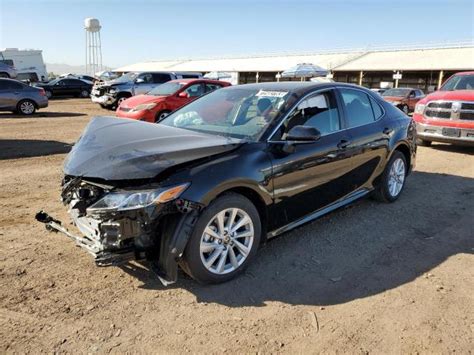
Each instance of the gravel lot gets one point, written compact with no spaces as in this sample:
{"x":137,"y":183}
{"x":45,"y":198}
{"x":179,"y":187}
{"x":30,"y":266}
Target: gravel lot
{"x":384,"y":278}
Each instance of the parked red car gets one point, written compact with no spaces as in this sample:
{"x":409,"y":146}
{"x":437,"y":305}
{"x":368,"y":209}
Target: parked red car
{"x":404,"y":98}
{"x":163,"y":99}
{"x":447,"y":115}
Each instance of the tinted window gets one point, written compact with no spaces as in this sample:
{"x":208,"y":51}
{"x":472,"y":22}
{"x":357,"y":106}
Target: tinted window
{"x":190,"y":76}
{"x":73,"y":82}
{"x":358,"y":107}
{"x":212,"y":87}
{"x":147,"y":78}
{"x":419,"y":93}
{"x":319,"y":111}
{"x":159,"y":78}
{"x":194,"y":90}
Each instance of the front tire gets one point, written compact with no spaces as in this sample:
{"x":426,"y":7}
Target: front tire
{"x":224,"y":240}
{"x":393,"y":179}
{"x":26,"y":107}
{"x":48,"y":94}
{"x":161,"y":115}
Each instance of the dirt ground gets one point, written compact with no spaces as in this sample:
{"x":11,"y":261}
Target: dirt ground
{"x":382,"y":278}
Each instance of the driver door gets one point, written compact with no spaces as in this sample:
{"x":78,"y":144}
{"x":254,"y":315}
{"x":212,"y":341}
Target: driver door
{"x":310,"y":176}
{"x":143,"y":84}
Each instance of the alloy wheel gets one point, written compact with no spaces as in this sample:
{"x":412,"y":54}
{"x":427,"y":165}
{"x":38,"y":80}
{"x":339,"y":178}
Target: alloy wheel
{"x":396,"y":177}
{"x":27,"y":107}
{"x":227,"y":241}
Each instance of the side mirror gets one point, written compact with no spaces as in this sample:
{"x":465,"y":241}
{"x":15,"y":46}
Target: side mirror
{"x":139,"y":81}
{"x":183,"y":94}
{"x":303,"y":134}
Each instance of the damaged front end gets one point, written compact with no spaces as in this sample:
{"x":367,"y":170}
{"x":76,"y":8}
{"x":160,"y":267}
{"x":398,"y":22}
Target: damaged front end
{"x":121,"y":223}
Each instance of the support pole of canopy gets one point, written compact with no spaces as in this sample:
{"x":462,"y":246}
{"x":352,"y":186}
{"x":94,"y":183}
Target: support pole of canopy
{"x":440,"y":78}
{"x":361,"y":75}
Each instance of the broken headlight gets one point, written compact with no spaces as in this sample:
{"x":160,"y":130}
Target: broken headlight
{"x":129,"y":200}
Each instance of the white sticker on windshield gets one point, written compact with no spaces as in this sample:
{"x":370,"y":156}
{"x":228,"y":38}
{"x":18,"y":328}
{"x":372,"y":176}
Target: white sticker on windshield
{"x":263,"y":93}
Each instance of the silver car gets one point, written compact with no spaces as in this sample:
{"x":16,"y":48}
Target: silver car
{"x":7,"y":71}
{"x":21,"y":98}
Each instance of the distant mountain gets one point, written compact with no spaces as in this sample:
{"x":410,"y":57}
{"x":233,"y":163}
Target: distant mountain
{"x":59,"y":69}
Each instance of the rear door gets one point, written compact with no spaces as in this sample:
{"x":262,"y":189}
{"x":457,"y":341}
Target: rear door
{"x":6,"y":95}
{"x":369,"y":135}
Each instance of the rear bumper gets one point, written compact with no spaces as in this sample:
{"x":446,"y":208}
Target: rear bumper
{"x":43,"y":102}
{"x":440,"y":133}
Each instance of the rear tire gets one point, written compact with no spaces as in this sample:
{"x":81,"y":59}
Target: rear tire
{"x":423,"y":143}
{"x":26,"y":107}
{"x":405,"y":109}
{"x":219,"y":251}
{"x":393,"y":179}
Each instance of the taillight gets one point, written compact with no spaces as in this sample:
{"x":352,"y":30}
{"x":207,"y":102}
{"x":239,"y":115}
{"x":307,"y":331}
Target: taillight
{"x":42,"y":92}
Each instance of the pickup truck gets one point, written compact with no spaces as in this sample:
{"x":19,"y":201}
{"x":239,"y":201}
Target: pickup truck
{"x":110,"y":94}
{"x":447,"y":115}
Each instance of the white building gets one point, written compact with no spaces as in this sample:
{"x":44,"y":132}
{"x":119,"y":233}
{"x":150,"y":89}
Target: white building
{"x":28,"y":63}
{"x":424,"y":67}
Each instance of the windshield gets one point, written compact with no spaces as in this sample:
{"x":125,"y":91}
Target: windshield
{"x":236,"y":112}
{"x":459,"y":82}
{"x":166,"y":89}
{"x":126,"y":78}
{"x":396,"y":92}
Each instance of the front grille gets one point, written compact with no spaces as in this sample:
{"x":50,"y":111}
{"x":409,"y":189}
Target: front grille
{"x":466,"y":116}
{"x":467,"y":106}
{"x":440,"y":104}
{"x":438,"y":114}
{"x":450,"y":110}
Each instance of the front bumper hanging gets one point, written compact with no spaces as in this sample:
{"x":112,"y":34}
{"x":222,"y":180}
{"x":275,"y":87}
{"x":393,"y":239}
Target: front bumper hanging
{"x":92,"y":245}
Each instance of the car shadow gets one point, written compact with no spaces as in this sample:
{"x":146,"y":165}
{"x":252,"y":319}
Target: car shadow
{"x":27,"y":148}
{"x":41,"y":114}
{"x":355,"y":252}
{"x":453,"y":148}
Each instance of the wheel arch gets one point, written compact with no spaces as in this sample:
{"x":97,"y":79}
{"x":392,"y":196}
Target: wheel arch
{"x":403,"y":148}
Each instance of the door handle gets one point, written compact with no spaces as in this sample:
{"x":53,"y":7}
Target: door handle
{"x":387,"y":131}
{"x":343,"y":144}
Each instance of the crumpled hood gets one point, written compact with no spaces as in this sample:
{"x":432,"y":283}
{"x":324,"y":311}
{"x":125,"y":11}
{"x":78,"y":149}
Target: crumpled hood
{"x":119,"y":149}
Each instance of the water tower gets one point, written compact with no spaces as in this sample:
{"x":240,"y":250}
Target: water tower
{"x":93,"y":46}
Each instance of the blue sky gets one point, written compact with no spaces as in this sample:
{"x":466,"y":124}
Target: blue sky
{"x":140,"y":30}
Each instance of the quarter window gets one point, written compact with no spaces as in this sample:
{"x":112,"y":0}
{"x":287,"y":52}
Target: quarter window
{"x":359,"y":110}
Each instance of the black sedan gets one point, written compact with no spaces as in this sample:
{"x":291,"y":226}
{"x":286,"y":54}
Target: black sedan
{"x":66,"y":87}
{"x":211,"y":181}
